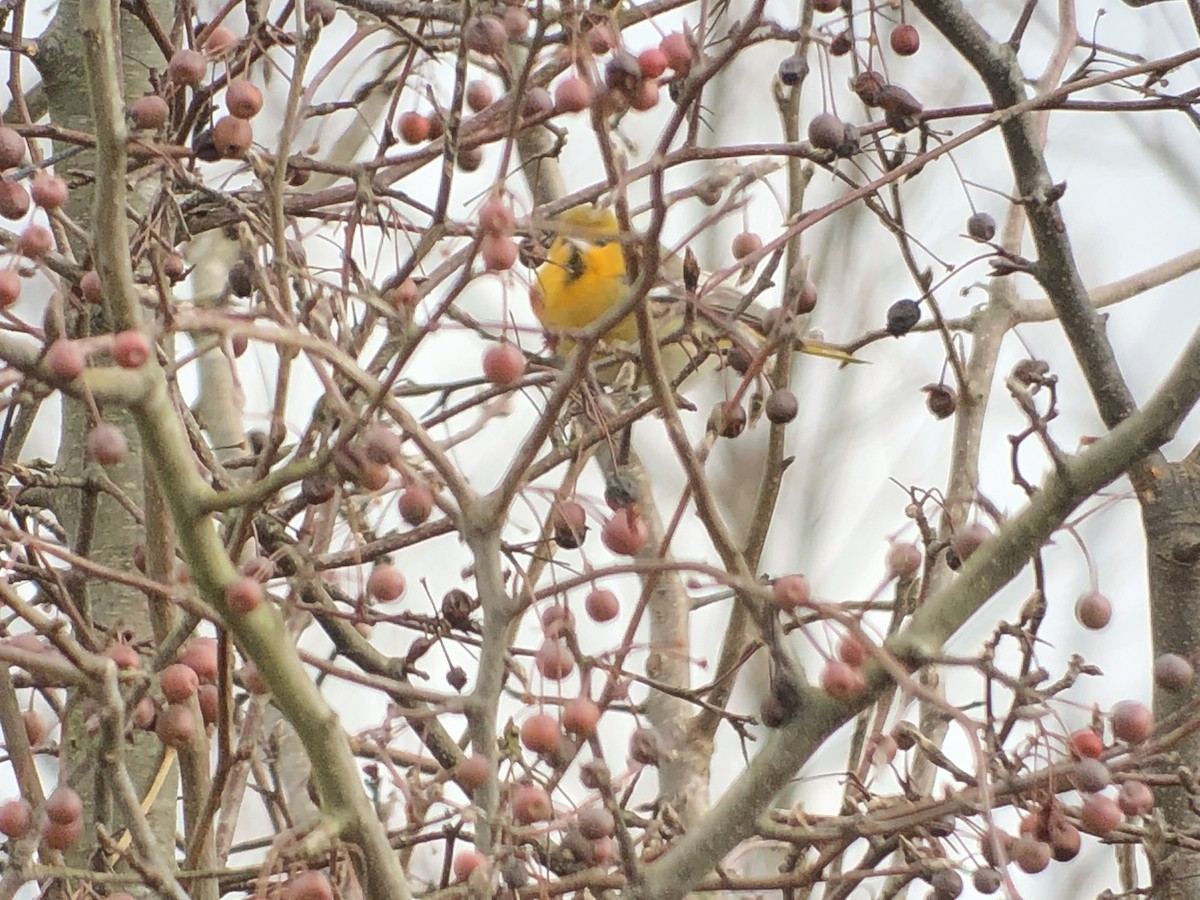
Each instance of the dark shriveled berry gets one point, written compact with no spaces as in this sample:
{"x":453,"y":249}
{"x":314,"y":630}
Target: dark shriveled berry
{"x":793,"y":69}
{"x":902,"y":316}
{"x":981,"y":226}
{"x":941,"y":400}
{"x":782,"y":406}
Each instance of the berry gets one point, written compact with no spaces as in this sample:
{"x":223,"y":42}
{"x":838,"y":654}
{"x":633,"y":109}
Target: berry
{"x":243,"y":99}
{"x":149,"y":112}
{"x":646,"y":97}
{"x":179,"y":683}
{"x":232,"y":137}
{"x":842,"y":681}
{"x":15,"y":818}
{"x":653,"y":62}
{"x":791,"y":591}
{"x":405,"y":295}
{"x":485,"y":34}
{"x":14,"y":199}
{"x":472,"y":772}
{"x":175,"y":725}
{"x":62,"y":835}
{"x":210,"y":703}
{"x":826,"y":6}
{"x":36,"y":727}
{"x":35,"y":242}
{"x":905,"y":40}
{"x":516,"y":22}
{"x":940,"y":400}
{"x":851,"y":651}
{"x":981,"y":226}
{"x":625,"y":533}
{"x":540,"y":733}
{"x":499,"y":253}
{"x":10,"y":287}
{"x":600,"y":38}
{"x":568,"y":520}
{"x":580,"y":716}
{"x":414,"y":127}
{"x":106,"y":444}
{"x":537,"y":103}
{"x":782,"y":406}
{"x":1030,"y":855}
{"x":63,"y":805}
{"x":602,"y":605}
{"x":1093,"y":610}
{"x":1132,"y":722}
{"x":1099,"y":814}
{"x":187,"y":67}
{"x":573,"y":94}
{"x":49,"y":191}
{"x":554,"y":660}
{"x":1173,"y":672}
{"x":596,"y":822}
{"x":130,"y":349}
{"x":792,"y":70}
{"x":841,"y":44}
{"x":744,"y":244}
{"x":308,"y":885}
{"x":868,"y":87}
{"x":496,"y":217}
{"x":12,"y":147}
{"x":1135,"y":798}
{"x":728,"y":419}
{"x":219,"y":40}
{"x":902,"y":316}
{"x":968,"y":538}
{"x":644,"y":747}
{"x":386,"y":583}
{"x":503,"y":364}
{"x":678,"y":50}
{"x":903,"y":560}
{"x":1091,"y":776}
{"x":415,"y":503}
{"x":1085,"y":744}
{"x":201,"y":657}
{"x":826,"y":131}
{"x":467,"y":862}
{"x":243,"y":595}
{"x":556,"y":620}
{"x":323,"y":11}
{"x":479,"y":95}
{"x":530,"y":804}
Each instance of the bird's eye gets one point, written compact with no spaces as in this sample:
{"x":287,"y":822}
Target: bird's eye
{"x":575,"y":264}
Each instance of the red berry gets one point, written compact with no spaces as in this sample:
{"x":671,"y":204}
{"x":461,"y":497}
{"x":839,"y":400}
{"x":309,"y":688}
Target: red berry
{"x":905,"y":40}
{"x":405,"y":295}
{"x":149,"y":112}
{"x":646,"y":96}
{"x":309,"y":886}
{"x":485,"y":34}
{"x":14,"y":199}
{"x":568,"y":521}
{"x":540,"y":733}
{"x":414,"y":127}
{"x":602,"y":605}
{"x":826,"y":6}
{"x":415,"y":503}
{"x":496,"y":217}
{"x":503,"y":364}
{"x":1093,"y":610}
{"x":49,"y":191}
{"x":10,"y":287}
{"x":745,"y":243}
{"x":1135,"y":798}
{"x":187,"y":67}
{"x":625,"y":533}
{"x":179,"y":683}
{"x":62,"y":835}
{"x":65,"y":359}
{"x":243,"y":99}
{"x":678,"y":50}
{"x":201,"y":657}
{"x":131,"y":350}
{"x":530,"y":804}
{"x":554,"y":660}
{"x":573,"y":94}
{"x":479,"y":95}
{"x":1099,"y":814}
{"x":35,"y":242}
{"x":243,"y":595}
{"x":499,"y":253}
{"x":467,"y":862}
{"x":1085,"y":744}
{"x":36,"y":727}
{"x":175,"y":725}
{"x":516,"y":22}
{"x":106,"y":444}
{"x":210,"y":703}
{"x":653,"y":62}
{"x":791,"y":591}
{"x":63,"y":805}
{"x":220,"y":39}
{"x":12,"y":147}
{"x":386,"y":583}
{"x":15,"y":818}
{"x":968,"y":538}
{"x":472,"y":772}
{"x":842,"y":682}
{"x":232,"y":136}
{"x":556,"y":620}
{"x":1132,"y":722}
{"x":903,"y":560}
{"x":580,"y":716}
{"x":851,"y":651}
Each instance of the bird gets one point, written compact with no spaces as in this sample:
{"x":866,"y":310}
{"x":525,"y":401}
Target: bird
{"x":583,"y":276}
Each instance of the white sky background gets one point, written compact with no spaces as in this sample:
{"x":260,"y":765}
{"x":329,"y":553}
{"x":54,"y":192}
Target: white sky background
{"x":1131,"y":202}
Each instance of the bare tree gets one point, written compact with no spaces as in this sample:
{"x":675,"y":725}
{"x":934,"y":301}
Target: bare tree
{"x":360,"y":320}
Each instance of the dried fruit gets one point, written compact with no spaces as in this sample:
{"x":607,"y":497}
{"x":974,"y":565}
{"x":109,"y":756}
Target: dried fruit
{"x":64,"y":805}
{"x":554,"y":660}
{"x":678,"y":50}
{"x":499,"y":253}
{"x":1085,"y":744}
{"x":902,"y":316}
{"x":792,"y":70}
{"x":479,"y":95}
{"x":782,"y":406}
{"x":35,"y":242}
{"x":14,"y":199}
{"x":1135,"y":798}
{"x":1091,"y":776}
{"x":981,"y":226}
{"x":472,"y":772}
{"x":15,"y":818}
{"x":744,"y":243}
{"x":903,"y":560}
{"x":941,"y":400}
{"x":10,"y":287}
{"x":568,"y":521}
{"x":1100,"y":815}
{"x":826,"y":131}
{"x":219,"y":40}
{"x":868,"y":87}
{"x":232,"y":136}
